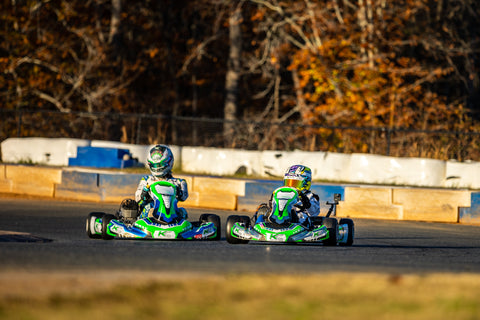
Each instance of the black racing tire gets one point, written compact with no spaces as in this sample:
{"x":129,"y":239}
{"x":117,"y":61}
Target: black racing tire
{"x":105,"y":221}
{"x":263,"y":209}
{"x":332,"y":226}
{"x":231,"y":220}
{"x":215,"y":219}
{"x":203,"y":217}
{"x":316,"y":220}
{"x":88,"y":224}
{"x":351,"y":231}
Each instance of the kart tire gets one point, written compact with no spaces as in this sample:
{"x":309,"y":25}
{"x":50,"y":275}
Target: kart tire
{"x":316,"y":220}
{"x":231,"y":220}
{"x":203,"y":217}
{"x":332,"y":226}
{"x":215,"y":219}
{"x":263,"y":209}
{"x":351,"y":231}
{"x":88,"y":225}
{"x":105,"y":221}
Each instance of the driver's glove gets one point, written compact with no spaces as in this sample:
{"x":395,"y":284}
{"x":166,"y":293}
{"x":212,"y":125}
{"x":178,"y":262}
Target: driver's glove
{"x":305,"y":201}
{"x":145,"y":195}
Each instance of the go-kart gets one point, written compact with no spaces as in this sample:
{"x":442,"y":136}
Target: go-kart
{"x":280,"y":223}
{"x":164,"y":219}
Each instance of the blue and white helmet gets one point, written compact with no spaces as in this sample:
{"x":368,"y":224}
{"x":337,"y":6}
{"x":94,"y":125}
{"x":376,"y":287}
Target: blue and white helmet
{"x":299,"y":177}
{"x":160,"y":161}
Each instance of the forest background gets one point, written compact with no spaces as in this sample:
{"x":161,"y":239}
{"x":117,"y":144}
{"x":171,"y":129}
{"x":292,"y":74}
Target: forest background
{"x":377,"y":76}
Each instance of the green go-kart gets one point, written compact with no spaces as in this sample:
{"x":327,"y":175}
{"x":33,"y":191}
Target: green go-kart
{"x":164,"y":221}
{"x":279,"y":223}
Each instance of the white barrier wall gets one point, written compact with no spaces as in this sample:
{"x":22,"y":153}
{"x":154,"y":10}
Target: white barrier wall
{"x":326,"y":166}
{"x":462,"y":175}
{"x":396,"y":171}
{"x":220,"y":161}
{"x":54,"y":151}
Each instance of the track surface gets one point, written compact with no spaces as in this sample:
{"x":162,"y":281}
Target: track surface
{"x":38,"y":235}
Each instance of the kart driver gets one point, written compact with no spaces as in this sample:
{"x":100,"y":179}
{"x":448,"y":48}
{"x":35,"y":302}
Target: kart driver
{"x":300,"y":178}
{"x":160,"y":162}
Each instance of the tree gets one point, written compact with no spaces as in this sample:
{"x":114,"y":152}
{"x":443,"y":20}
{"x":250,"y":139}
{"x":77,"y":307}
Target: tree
{"x":232,"y":77}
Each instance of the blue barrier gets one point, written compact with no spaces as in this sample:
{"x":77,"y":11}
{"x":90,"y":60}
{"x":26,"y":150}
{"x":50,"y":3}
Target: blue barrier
{"x":325,"y":193}
{"x":256,"y":192}
{"x":77,"y":184}
{"x":102,"y":158}
{"x":114,"y":186}
{"x":471,"y":214}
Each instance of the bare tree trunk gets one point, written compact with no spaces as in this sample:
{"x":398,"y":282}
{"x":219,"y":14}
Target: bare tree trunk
{"x":232,"y":77}
{"x":114,"y":34}
{"x":365,"y":21}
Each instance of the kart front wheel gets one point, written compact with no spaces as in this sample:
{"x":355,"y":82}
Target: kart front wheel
{"x":105,"y":221}
{"x":332,"y":227}
{"x":90,"y":224}
{"x":351,"y":231}
{"x":231,"y":220}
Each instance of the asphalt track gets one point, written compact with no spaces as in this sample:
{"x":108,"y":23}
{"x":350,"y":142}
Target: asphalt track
{"x":49,"y":235}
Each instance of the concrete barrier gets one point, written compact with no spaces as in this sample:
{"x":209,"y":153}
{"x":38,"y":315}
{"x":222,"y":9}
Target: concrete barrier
{"x":79,"y":185}
{"x":5,"y":184}
{"x":209,"y":192}
{"x":30,"y":180}
{"x":255,"y":193}
{"x":369,"y":202}
{"x":46,"y":151}
{"x":221,"y":162}
{"x":116,"y":187}
{"x":471,"y":215}
{"x":396,"y":171}
{"x":326,"y":166}
{"x":418,"y":204}
{"x":431,"y":205}
{"x":462,"y":175}
{"x":333,"y":167}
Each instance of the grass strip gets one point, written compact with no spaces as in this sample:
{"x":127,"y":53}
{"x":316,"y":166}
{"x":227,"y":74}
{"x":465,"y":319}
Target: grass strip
{"x":251,"y":296}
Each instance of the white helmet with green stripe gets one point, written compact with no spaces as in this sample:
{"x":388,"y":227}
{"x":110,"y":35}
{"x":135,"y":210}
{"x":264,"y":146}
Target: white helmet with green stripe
{"x":160,"y":161}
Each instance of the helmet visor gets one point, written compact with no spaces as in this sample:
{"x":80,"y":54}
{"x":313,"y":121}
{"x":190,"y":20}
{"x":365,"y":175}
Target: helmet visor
{"x":293,"y":182}
{"x":157,"y":167}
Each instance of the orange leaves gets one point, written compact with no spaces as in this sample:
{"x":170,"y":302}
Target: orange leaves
{"x":258,"y":15}
{"x":152,"y":52}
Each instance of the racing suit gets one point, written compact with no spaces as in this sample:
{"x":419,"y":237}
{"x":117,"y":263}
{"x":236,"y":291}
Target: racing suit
{"x":308,"y":205}
{"x":145,"y":202}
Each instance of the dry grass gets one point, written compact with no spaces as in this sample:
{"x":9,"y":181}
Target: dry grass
{"x":246,"y":296}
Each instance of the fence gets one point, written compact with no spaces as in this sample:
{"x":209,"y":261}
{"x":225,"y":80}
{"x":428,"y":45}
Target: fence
{"x":241,"y":134}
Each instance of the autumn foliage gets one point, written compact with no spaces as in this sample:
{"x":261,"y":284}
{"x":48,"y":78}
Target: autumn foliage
{"x":314,"y":73}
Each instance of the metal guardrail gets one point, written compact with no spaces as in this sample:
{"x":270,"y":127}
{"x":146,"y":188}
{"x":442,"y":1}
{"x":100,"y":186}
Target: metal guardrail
{"x":141,"y":128}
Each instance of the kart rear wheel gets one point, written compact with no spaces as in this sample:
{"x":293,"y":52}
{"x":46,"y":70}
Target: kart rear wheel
{"x":332,"y":226}
{"x":316,"y":220}
{"x":215,"y":219}
{"x":90,"y":224}
{"x":105,"y":221}
{"x":351,"y":231}
{"x":231,"y":220}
